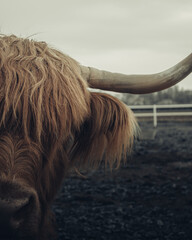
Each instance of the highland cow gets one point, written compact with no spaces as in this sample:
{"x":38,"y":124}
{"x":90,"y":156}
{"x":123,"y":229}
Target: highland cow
{"x":50,"y":123}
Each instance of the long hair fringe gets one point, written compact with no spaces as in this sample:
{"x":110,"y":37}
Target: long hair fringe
{"x":42,"y":94}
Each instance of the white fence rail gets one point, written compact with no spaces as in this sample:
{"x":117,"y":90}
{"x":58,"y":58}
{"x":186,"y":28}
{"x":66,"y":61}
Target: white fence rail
{"x":176,"y":110}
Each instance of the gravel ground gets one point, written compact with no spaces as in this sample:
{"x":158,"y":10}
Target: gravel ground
{"x":148,"y":198}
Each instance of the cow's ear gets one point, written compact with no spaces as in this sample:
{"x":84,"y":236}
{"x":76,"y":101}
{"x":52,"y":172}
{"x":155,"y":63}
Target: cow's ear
{"x":107,"y":134}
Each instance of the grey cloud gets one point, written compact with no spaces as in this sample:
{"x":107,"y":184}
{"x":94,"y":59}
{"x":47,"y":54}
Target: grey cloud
{"x":89,"y":29}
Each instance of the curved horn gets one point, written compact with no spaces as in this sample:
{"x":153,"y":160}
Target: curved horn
{"x":137,"y":84}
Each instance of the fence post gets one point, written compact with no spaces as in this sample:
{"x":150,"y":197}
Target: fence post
{"x":154,"y":115}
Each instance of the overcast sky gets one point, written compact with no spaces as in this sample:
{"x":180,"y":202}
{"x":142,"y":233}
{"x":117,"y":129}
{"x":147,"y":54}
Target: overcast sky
{"x":128,"y":36}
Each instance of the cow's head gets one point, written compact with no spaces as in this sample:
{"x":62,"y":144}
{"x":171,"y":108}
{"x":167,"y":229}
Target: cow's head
{"x":43,"y":102}
{"x":49,"y":122}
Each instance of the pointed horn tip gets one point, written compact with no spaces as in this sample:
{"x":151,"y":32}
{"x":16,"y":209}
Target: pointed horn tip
{"x":137,"y":84}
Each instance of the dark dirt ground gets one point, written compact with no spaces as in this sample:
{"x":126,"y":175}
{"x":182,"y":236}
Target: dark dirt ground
{"x":148,"y":198}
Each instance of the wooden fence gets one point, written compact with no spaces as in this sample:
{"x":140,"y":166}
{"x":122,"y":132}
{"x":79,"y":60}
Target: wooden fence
{"x":157,"y":111}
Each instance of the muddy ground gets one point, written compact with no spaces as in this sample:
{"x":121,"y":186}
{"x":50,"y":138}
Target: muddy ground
{"x":148,"y":198}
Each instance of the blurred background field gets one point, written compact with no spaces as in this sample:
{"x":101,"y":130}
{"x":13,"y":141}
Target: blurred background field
{"x":150,"y":197}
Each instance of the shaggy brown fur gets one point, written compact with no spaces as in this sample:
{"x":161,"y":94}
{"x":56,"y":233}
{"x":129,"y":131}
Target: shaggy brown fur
{"x":107,"y":134}
{"x":44,"y":102}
